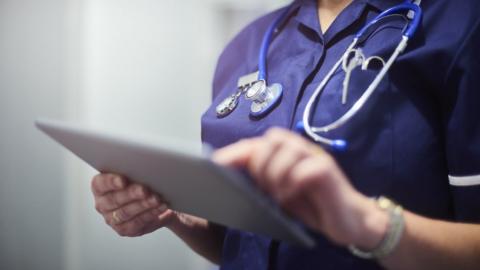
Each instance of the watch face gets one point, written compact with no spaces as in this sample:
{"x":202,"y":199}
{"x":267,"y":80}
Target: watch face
{"x":227,"y":106}
{"x":255,"y":89}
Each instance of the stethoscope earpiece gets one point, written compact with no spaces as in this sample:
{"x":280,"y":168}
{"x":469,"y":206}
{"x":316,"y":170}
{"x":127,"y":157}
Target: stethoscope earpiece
{"x":300,"y":128}
{"x":336,"y":145}
{"x":339,"y":145}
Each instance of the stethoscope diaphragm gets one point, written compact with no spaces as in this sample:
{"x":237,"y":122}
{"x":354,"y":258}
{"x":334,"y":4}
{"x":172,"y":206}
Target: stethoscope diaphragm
{"x":266,"y":100}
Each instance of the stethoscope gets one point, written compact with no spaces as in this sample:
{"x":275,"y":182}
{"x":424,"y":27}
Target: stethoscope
{"x":255,"y":86}
{"x":265,"y":97}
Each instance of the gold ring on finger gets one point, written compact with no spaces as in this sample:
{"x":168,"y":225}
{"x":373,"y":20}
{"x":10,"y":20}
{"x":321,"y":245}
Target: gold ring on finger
{"x":116,"y":218}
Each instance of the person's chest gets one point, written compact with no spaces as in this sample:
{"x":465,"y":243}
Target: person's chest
{"x":394,"y":139}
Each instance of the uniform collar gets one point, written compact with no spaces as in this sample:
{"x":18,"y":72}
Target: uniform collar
{"x":307,"y":14}
{"x":378,"y":4}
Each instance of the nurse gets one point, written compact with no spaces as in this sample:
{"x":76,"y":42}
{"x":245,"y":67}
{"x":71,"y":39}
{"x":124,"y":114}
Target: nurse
{"x":405,"y":194}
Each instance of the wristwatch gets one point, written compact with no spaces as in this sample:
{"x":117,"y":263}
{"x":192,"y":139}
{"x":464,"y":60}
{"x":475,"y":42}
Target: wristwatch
{"x":392,"y":236}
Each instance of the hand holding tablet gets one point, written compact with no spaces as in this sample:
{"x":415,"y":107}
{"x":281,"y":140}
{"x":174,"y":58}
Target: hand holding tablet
{"x":190,"y":182}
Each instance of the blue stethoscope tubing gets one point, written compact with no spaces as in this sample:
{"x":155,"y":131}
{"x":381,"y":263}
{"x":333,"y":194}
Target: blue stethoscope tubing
{"x":273,"y":93}
{"x":339,"y":144}
{"x":266,"y":42}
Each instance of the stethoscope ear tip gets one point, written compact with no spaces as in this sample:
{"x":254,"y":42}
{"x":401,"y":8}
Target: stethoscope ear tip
{"x":339,"y":145}
{"x":335,"y":145}
{"x":300,"y":127}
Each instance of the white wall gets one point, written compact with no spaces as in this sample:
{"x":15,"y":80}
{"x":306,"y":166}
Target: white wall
{"x":141,"y":65}
{"x":31,"y":168}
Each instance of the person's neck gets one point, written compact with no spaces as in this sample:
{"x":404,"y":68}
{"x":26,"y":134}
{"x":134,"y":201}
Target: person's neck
{"x":328,"y":10}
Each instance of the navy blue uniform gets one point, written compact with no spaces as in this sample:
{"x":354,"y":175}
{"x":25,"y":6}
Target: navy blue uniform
{"x":417,"y":140}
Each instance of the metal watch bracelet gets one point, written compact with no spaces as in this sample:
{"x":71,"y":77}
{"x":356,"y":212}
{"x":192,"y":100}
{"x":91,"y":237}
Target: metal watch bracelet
{"x":392,"y":236}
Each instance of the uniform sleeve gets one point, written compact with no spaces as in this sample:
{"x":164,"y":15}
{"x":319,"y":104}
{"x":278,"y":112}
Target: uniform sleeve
{"x":462,"y":121}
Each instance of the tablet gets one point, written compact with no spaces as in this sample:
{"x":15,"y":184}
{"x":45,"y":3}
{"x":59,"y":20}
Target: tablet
{"x":188,"y":180}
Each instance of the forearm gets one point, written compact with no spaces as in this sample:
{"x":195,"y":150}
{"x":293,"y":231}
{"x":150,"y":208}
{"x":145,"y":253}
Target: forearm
{"x":433,"y":244}
{"x":201,"y":236}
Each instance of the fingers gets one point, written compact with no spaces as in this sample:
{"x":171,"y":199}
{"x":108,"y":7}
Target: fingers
{"x":278,"y":159}
{"x":268,"y":158}
{"x":103,"y":183}
{"x":313,"y":187}
{"x":278,"y":169}
{"x":130,"y":211}
{"x":236,"y":155}
{"x":115,"y":199}
{"x":166,"y":217}
{"x":302,"y":178}
{"x":239,"y":154}
{"x":143,"y":223}
{"x":297,"y":180}
{"x":257,"y":165}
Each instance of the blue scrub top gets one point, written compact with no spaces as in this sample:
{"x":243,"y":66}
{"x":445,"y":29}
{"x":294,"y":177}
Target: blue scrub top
{"x":417,"y":134}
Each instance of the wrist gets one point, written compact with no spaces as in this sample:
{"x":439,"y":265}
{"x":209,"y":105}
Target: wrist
{"x":373,"y":226}
{"x":391,"y":236}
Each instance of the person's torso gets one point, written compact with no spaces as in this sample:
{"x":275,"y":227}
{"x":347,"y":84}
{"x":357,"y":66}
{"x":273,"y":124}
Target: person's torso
{"x":396,"y":143}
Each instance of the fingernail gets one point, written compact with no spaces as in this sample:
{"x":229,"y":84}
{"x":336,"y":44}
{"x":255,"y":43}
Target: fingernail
{"x":162,"y":208}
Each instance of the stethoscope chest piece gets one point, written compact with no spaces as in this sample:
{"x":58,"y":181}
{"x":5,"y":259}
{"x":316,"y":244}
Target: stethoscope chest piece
{"x":265,"y":99}
{"x":227,"y":106}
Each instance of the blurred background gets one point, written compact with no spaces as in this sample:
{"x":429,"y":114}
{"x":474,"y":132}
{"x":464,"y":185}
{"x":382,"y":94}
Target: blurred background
{"x":143,"y":65}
